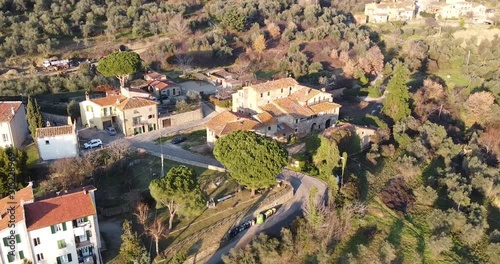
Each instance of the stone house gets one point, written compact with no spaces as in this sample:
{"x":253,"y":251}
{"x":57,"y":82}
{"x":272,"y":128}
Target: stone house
{"x":279,"y":109}
{"x":221,"y":77}
{"x":389,"y":11}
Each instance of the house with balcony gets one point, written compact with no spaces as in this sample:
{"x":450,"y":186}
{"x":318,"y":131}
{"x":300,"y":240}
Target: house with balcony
{"x":63,"y":228}
{"x":279,"y":109}
{"x":11,"y":207}
{"x":127,"y":114}
{"x":13,"y":124}
{"x":57,"y":142}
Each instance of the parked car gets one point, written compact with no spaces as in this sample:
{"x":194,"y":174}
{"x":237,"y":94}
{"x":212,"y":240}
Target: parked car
{"x":94,"y":143}
{"x":178,"y":140}
{"x":111,"y":131}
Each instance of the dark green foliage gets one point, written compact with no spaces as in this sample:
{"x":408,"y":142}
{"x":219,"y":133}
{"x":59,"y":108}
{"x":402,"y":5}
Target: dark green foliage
{"x":132,"y":251}
{"x":253,"y":160}
{"x":234,"y":19}
{"x":396,"y":104}
{"x":179,"y":190}
{"x":73,"y":110}
{"x":120,"y":65}
{"x":12,"y":175}
{"x":34,"y":116}
{"x":327,"y":157}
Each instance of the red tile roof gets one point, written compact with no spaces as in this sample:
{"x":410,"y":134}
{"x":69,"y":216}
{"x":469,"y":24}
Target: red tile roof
{"x":303,"y":94}
{"x":292,"y":108}
{"x":164,"y":84}
{"x":324,"y":107}
{"x":135,"y":102}
{"x":23,"y":195}
{"x":54,"y":131}
{"x":6,"y":110}
{"x":109,"y":100}
{"x":227,"y":122}
{"x":154,"y":76}
{"x":63,"y":208}
{"x":274,"y":85}
{"x":266,"y":118}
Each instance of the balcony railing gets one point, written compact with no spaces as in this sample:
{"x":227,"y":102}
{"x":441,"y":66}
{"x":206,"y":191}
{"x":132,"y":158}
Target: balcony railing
{"x":83,"y":243}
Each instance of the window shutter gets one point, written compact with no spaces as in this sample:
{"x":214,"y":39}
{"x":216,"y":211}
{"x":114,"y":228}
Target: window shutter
{"x":5,"y":242}
{"x":18,"y":239}
{"x":64,"y":226}
{"x":88,"y":234}
{"x":21,"y":254}
{"x":69,"y":257}
{"x":85,"y":219}
{"x":58,"y":260}
{"x":10,"y":258}
{"x":53,"y":229}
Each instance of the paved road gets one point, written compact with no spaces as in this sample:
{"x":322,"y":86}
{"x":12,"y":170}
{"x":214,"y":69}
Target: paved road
{"x":302,"y":185}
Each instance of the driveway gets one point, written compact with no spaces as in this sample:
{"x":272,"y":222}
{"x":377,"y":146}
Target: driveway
{"x":198,"y":86}
{"x":89,"y":133}
{"x":302,"y":185}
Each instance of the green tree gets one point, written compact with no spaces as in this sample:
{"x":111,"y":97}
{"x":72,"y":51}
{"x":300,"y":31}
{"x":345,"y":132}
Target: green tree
{"x":6,"y":181}
{"x":73,"y":110}
{"x":179,"y":191}
{"x":120,"y":65}
{"x":132,"y":250}
{"x":234,"y":19}
{"x":259,"y":159}
{"x":327,"y":157}
{"x":396,"y":104}
{"x":34,"y":116}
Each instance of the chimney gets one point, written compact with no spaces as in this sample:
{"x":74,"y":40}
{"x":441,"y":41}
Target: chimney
{"x":117,"y":101}
{"x":85,"y":191}
{"x":48,"y":123}
{"x":87,"y":95}
{"x":12,"y":110}
{"x":30,"y":184}
{"x":323,"y":89}
{"x":308,"y":91}
{"x":57,"y":193}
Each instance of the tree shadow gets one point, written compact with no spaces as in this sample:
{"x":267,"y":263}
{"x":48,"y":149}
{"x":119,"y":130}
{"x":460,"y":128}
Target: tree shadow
{"x":394,"y":236}
{"x":194,"y":249}
{"x":363,"y":236}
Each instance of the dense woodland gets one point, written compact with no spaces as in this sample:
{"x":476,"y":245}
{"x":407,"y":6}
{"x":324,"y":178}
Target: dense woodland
{"x":426,"y":191}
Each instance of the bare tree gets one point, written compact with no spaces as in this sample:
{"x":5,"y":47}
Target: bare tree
{"x":178,"y":29}
{"x":478,"y":106}
{"x":157,"y":230}
{"x":142,"y":212}
{"x":274,"y":30}
{"x":67,"y":172}
{"x":490,"y":139}
{"x":184,"y":62}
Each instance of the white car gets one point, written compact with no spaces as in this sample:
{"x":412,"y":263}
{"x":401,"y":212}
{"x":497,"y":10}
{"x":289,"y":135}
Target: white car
{"x":94,"y":143}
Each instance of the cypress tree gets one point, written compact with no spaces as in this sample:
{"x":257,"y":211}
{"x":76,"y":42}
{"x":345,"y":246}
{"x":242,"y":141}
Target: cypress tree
{"x":34,"y":116}
{"x":397,"y":101}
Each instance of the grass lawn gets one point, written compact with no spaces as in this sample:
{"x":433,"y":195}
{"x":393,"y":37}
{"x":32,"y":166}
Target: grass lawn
{"x":457,"y":78}
{"x":33,"y":156}
{"x":194,"y":136}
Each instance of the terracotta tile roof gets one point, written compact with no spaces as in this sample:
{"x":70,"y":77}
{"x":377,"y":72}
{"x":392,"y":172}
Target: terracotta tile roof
{"x":222,"y":73}
{"x":271,"y":109}
{"x":54,"y":131}
{"x":273,"y":85}
{"x":287,"y":130}
{"x":108,"y":100}
{"x":154,"y":76}
{"x":135,"y":102}
{"x":160,"y":85}
{"x":6,"y":110}
{"x":25,"y":195}
{"x":292,"y":108}
{"x":266,"y":118}
{"x":227,"y":122}
{"x":324,"y":107}
{"x":304,"y":93}
{"x":63,"y":208}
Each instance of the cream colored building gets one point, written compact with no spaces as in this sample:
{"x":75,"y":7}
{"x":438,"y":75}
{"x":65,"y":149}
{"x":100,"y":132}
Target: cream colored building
{"x":13,"y":124}
{"x":129,"y":115}
{"x":278,"y":109}
{"x":390,"y":11}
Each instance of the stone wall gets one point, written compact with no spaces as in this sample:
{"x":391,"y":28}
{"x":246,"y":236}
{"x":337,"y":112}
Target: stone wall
{"x":179,"y":119}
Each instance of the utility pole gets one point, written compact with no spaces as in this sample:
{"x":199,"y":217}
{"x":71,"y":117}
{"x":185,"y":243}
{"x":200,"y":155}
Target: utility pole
{"x":468,"y":58}
{"x":161,"y":150}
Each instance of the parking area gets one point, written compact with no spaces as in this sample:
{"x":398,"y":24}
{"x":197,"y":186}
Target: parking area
{"x":198,"y":86}
{"x":87,"y":134}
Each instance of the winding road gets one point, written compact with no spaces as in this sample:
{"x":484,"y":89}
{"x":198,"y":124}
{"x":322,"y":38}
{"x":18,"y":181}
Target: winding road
{"x":302,"y":185}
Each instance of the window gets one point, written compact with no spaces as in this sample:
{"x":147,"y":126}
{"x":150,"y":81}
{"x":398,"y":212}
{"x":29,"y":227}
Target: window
{"x":61,"y":244}
{"x":261,"y":95}
{"x":18,"y":239}
{"x":36,"y":241}
{"x":5,"y":137}
{"x":21,"y":254}
{"x":269,"y":128}
{"x":47,"y":142}
{"x":82,"y":220}
{"x":290,"y":89}
{"x":296,"y":121}
{"x":11,"y":257}
{"x":268,"y":93}
{"x":89,"y":108}
{"x":64,"y":259}
{"x":282,"y":90}
{"x":58,"y":227}
{"x":6,"y":240}
{"x":151,"y":116}
{"x":39,"y":256}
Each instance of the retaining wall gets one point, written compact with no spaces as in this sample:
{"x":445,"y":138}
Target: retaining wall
{"x":193,"y":163}
{"x":183,"y":118}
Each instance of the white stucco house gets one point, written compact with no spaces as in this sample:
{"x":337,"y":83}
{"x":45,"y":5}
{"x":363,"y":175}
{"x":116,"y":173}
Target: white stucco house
{"x":58,"y":229}
{"x":57,"y":142}
{"x":13,"y":124}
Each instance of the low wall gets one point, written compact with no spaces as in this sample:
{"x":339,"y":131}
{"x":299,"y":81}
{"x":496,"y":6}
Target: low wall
{"x":220,"y":109}
{"x":183,"y":118}
{"x":193,"y":163}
